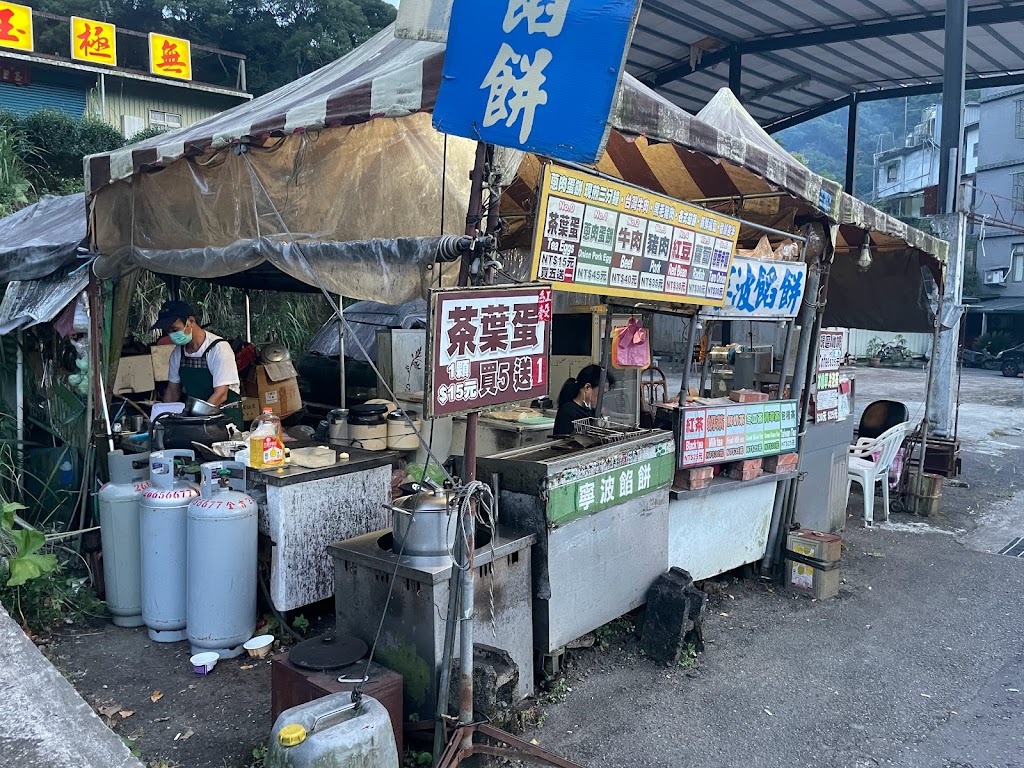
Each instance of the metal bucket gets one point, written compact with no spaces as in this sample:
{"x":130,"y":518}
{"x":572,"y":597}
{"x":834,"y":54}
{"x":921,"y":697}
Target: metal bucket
{"x":924,"y":494}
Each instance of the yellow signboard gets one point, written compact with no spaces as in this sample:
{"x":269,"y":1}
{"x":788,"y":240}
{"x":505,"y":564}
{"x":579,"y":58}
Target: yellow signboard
{"x":93,"y":41}
{"x":170,"y":56}
{"x":613,"y":239}
{"x":16,"y":26}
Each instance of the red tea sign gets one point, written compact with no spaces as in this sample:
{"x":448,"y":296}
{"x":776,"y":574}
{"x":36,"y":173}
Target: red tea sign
{"x":488,"y":346}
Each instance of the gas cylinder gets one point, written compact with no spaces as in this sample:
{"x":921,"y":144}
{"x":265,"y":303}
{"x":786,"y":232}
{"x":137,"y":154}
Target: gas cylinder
{"x":334,"y":731}
{"x":223,"y":530}
{"x":163,"y":538}
{"x":119,"y":534}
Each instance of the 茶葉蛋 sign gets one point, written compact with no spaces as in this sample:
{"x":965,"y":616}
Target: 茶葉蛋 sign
{"x":536,"y":75}
{"x":487,"y":346}
{"x":598,"y":236}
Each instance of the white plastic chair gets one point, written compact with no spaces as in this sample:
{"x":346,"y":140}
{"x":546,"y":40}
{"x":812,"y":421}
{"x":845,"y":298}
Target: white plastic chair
{"x":866,"y":470}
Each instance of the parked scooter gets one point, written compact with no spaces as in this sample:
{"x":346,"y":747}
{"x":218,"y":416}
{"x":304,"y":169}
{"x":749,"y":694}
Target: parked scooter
{"x":974,"y":358}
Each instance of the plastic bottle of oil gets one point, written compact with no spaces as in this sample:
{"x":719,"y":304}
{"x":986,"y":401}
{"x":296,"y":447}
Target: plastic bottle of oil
{"x":266,"y":446}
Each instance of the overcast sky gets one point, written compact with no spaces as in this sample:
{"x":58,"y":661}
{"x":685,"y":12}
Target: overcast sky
{"x":393,"y":2}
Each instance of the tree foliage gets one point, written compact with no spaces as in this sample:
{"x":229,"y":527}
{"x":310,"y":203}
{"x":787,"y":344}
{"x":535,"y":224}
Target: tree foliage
{"x":281,"y":39}
{"x":42,"y":154}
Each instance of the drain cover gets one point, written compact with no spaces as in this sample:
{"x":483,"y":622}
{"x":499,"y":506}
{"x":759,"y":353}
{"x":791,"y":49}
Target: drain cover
{"x":1014,"y":549}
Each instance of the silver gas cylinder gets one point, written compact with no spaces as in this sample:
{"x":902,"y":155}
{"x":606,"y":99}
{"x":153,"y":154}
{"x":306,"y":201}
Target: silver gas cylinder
{"x":119,"y":533}
{"x":164,"y":545}
{"x":222,"y":538}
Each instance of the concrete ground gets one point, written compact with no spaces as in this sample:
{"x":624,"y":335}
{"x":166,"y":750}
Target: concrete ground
{"x":917,"y":663}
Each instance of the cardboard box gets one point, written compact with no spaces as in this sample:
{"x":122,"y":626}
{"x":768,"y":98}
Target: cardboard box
{"x":250,"y":409}
{"x":825,"y":547}
{"x":134,"y":376}
{"x":274,"y":386}
{"x":161,"y":354}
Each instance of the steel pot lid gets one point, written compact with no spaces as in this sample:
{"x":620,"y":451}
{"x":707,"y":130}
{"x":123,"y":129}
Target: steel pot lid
{"x":327,"y":652}
{"x":427,"y":501}
{"x":275,"y":353}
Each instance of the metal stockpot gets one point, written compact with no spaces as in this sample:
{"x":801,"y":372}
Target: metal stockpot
{"x":423,"y":525}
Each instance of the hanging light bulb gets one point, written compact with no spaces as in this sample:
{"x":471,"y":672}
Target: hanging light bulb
{"x":864,"y":262}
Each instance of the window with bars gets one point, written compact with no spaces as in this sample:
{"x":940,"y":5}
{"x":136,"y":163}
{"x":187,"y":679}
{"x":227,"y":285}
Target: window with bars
{"x":1019,"y":125}
{"x":1017,"y":263}
{"x":164,"y":119}
{"x":1018,"y":191}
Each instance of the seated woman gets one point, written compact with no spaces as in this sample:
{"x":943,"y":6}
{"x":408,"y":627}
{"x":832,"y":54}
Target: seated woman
{"x":578,"y":398}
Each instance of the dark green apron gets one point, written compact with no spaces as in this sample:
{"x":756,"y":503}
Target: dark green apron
{"x":197,"y":382}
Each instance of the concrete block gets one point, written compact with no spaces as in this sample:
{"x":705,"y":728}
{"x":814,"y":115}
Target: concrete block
{"x":675,"y":612}
{"x":495,"y":680}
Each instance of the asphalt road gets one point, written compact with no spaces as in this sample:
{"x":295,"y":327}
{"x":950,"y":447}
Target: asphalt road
{"x":917,"y":663}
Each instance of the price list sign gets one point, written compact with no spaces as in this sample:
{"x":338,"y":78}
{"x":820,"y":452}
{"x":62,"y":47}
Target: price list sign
{"x":830,"y":357}
{"x":487,"y":346}
{"x":604,"y":237}
{"x":716,"y":435}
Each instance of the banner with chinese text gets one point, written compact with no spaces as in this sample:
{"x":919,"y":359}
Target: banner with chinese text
{"x":610,"y":238}
{"x":488,"y":346}
{"x":719,"y":434}
{"x":16,"y":27}
{"x":93,"y":41}
{"x":535,"y":75}
{"x":830,"y":358}
{"x":170,"y":56}
{"x":761,"y":289}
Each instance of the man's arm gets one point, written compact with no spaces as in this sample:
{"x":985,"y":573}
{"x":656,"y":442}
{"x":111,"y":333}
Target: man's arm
{"x":172,"y":392}
{"x":220,"y":395}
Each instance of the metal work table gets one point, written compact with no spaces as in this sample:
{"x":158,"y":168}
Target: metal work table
{"x":303,"y":511}
{"x":600,"y":516}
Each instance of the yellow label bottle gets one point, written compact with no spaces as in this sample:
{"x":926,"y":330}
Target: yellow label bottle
{"x":266,"y":446}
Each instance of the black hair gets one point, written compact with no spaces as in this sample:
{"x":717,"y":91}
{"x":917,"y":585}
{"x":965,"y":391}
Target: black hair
{"x":591,"y":375}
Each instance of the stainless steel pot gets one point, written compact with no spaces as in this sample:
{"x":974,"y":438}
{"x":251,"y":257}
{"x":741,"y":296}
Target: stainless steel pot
{"x":196,"y":407}
{"x":274,"y":353}
{"x":423,"y":526}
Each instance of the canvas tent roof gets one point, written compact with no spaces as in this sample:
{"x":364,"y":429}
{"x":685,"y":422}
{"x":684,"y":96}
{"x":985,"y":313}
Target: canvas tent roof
{"x":41,"y":238}
{"x":244,"y":186}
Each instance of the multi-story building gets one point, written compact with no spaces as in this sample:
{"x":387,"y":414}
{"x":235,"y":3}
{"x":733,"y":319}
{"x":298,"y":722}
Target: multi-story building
{"x":998,"y":213}
{"x":906,"y":176}
{"x":87,"y":81}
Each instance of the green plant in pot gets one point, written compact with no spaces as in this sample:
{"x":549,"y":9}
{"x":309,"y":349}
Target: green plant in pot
{"x":874,"y":351}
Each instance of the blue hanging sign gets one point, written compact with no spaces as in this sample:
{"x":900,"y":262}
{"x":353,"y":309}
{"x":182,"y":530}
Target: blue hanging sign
{"x":535,"y":75}
{"x":761,"y":289}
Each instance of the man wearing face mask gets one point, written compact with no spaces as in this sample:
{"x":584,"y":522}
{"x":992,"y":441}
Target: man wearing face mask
{"x":202,"y":364}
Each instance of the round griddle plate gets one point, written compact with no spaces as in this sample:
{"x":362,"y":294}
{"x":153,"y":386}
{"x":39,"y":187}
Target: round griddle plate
{"x":327,"y":652}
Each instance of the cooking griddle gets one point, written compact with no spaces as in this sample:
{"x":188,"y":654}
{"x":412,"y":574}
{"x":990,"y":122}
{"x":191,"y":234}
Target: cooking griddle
{"x":327,"y":652}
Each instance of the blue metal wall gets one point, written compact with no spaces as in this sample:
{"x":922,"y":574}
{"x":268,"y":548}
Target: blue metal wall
{"x":25,"y":99}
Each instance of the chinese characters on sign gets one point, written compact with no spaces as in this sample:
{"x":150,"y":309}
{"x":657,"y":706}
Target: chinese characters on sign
{"x":16,"y":27}
{"x":598,"y":236}
{"x":488,"y":346}
{"x":513,"y":73}
{"x":830,"y":357}
{"x":93,"y":41}
{"x":15,"y":73}
{"x":762,"y":288}
{"x":170,"y":56}
{"x":719,"y":434}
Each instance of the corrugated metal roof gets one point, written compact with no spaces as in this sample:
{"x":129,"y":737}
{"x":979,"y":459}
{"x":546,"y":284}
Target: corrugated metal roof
{"x":1001,"y":305}
{"x":799,"y":55}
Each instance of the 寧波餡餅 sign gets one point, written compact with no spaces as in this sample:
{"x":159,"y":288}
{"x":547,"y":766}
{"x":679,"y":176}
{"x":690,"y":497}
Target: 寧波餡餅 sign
{"x":760,"y":289}
{"x":488,"y":346}
{"x":605,"y":237}
{"x":535,"y":75}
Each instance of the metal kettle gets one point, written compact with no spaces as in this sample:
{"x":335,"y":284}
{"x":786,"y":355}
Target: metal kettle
{"x":424,"y":524}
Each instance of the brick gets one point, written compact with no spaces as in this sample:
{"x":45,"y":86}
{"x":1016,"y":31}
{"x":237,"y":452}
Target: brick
{"x":744,"y":470}
{"x":694,"y":479}
{"x":787,"y":462}
{"x":748,"y":396}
